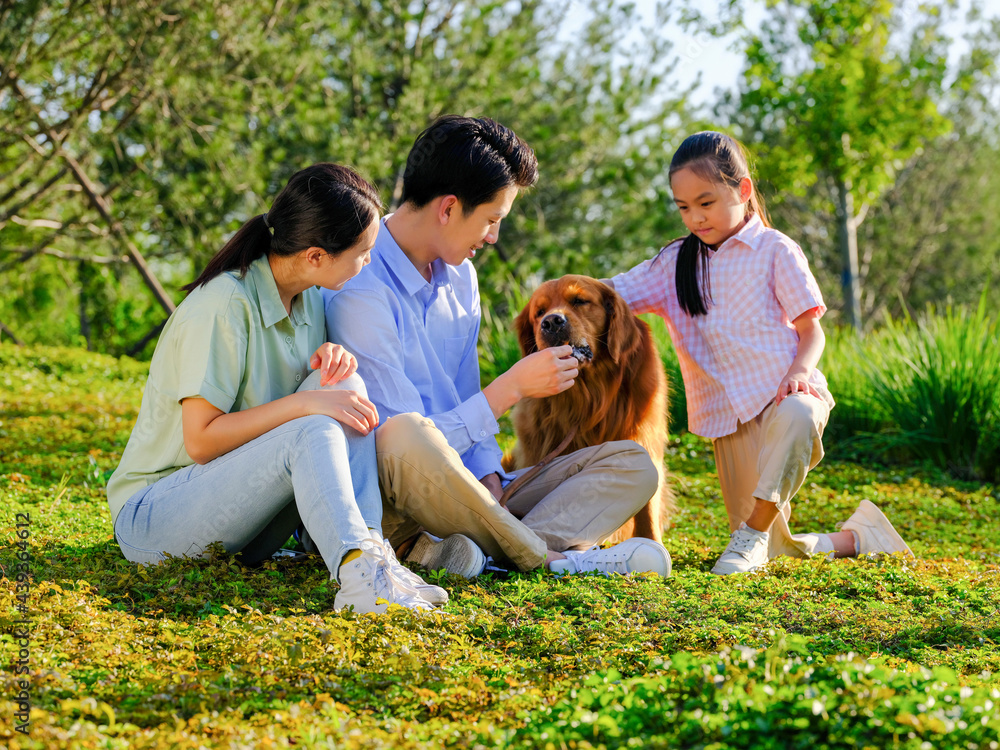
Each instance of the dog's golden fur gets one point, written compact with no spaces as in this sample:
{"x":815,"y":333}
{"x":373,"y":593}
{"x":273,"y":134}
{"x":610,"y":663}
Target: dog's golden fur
{"x":620,"y":393}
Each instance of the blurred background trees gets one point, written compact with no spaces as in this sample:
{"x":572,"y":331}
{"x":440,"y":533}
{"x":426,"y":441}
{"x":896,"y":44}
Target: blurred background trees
{"x":140,"y":134}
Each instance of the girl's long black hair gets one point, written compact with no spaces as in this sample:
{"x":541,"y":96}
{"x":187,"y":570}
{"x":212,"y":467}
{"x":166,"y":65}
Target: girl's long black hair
{"x":325,"y":205}
{"x":718,"y":158}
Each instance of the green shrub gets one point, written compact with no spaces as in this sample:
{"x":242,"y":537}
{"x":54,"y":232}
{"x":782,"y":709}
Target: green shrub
{"x":783,"y":697}
{"x":923,"y":389}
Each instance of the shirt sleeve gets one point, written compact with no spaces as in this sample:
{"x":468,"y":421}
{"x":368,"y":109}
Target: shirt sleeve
{"x":210,"y":349}
{"x":644,"y":287}
{"x":363,"y":322}
{"x":794,"y":285}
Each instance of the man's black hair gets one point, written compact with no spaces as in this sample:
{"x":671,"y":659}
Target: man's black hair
{"x":470,"y":158}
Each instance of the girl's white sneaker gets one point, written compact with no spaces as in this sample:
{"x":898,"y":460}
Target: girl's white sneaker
{"x":746,"y":551}
{"x":874,"y":531}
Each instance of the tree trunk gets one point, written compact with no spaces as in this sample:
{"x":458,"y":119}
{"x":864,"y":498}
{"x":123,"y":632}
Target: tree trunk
{"x":848,"y":230}
{"x":83,"y":277}
{"x":10,"y":334}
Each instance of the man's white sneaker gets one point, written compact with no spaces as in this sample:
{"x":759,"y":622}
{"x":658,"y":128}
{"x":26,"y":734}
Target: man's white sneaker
{"x":434,"y":594}
{"x":874,"y":531}
{"x":457,"y":554}
{"x":370,"y":583}
{"x":636,"y":555}
{"x":746,"y":551}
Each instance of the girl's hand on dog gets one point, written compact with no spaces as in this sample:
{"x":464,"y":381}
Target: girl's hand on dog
{"x":546,"y":372}
{"x":349,"y":408}
{"x":334,"y":362}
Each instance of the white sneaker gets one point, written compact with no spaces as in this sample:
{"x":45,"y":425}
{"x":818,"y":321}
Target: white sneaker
{"x":457,"y":554}
{"x":434,"y":594}
{"x":874,"y":531}
{"x":370,"y":583}
{"x":746,"y":551}
{"x":636,"y":555}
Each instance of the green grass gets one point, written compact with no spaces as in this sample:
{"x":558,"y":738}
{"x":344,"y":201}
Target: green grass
{"x":872,"y":653}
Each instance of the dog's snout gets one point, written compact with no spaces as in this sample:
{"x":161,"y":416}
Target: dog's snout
{"x":553,"y":323}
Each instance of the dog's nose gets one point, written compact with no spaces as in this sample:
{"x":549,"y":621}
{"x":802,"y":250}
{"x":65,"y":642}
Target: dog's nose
{"x":553,"y":323}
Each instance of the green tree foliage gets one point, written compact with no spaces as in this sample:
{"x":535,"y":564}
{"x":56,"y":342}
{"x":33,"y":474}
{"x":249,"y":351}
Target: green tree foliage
{"x":836,"y":99}
{"x":185,"y":120}
{"x":935,"y":235}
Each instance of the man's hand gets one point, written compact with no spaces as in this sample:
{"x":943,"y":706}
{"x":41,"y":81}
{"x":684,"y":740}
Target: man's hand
{"x":544,"y":373}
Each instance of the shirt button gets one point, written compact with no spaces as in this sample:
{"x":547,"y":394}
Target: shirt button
{"x":482,"y":433}
{"x":288,"y":339}
{"x":298,"y":378}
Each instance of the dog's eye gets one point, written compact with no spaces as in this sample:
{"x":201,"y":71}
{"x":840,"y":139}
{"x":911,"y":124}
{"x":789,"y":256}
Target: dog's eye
{"x":580,"y":302}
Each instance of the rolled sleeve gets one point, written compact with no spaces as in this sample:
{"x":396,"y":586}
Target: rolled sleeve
{"x":643,"y":287}
{"x":213,"y":361}
{"x":794,"y":284}
{"x":475,"y":416}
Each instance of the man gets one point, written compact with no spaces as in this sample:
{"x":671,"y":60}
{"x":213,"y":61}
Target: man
{"x":412,"y":317}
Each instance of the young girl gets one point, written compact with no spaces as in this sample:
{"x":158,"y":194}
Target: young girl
{"x":225,"y":448}
{"x":743,"y":313}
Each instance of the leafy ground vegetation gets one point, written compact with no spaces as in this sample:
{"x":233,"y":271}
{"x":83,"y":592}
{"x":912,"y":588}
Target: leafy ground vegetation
{"x":872,"y":653}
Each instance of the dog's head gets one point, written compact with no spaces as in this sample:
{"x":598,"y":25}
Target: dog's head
{"x":579,"y":311}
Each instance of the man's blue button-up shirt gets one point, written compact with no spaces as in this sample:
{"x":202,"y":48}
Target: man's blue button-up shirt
{"x":415,"y":341}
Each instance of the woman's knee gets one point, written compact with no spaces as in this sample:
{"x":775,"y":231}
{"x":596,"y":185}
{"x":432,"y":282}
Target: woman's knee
{"x":318,"y":429}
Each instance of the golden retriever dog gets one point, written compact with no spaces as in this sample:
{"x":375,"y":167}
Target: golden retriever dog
{"x":620,"y":393}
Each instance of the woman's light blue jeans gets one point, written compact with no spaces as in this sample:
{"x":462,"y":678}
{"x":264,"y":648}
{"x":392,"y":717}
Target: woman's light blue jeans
{"x":311,"y":470}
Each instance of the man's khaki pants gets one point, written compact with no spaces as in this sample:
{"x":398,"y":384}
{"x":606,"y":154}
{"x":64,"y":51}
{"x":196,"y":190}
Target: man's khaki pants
{"x":576,"y":501}
{"x":768,"y":458}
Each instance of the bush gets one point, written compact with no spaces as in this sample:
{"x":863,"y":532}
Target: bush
{"x":923,"y":389}
{"x":779,"y":698}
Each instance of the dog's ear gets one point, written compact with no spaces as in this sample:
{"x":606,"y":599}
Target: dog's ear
{"x":525,"y":331}
{"x":622,"y":333}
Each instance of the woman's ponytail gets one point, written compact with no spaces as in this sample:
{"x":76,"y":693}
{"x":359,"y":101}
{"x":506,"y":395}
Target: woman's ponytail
{"x":251,"y":241}
{"x":325,"y":205}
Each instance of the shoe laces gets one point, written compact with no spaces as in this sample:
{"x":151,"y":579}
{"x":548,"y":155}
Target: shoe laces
{"x":610,"y":560}
{"x":742,"y":542}
{"x":389,"y":584}
{"x":400,"y":570}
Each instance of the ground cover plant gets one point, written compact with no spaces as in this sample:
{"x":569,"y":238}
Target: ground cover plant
{"x":876,"y":653}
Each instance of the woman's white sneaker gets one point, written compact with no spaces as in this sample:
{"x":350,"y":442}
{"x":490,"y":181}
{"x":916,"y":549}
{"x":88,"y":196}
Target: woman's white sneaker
{"x":434,"y":594}
{"x":370,"y":583}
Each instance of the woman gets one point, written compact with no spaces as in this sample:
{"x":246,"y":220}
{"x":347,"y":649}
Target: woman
{"x":225,"y":447}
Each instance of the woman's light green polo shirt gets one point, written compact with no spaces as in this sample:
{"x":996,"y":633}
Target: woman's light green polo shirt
{"x":230,"y":342}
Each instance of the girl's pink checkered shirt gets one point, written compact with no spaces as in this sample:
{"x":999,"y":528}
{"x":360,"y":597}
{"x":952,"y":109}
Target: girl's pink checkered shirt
{"x":733,"y":358}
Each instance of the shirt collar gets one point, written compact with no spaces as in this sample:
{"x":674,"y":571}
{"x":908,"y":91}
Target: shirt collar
{"x":402,"y":267}
{"x":750,"y":233}
{"x":268,"y":299}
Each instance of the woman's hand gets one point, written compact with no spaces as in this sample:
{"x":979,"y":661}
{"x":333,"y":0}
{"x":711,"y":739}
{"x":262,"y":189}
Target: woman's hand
{"x":334,"y":362}
{"x":350,"y":408}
